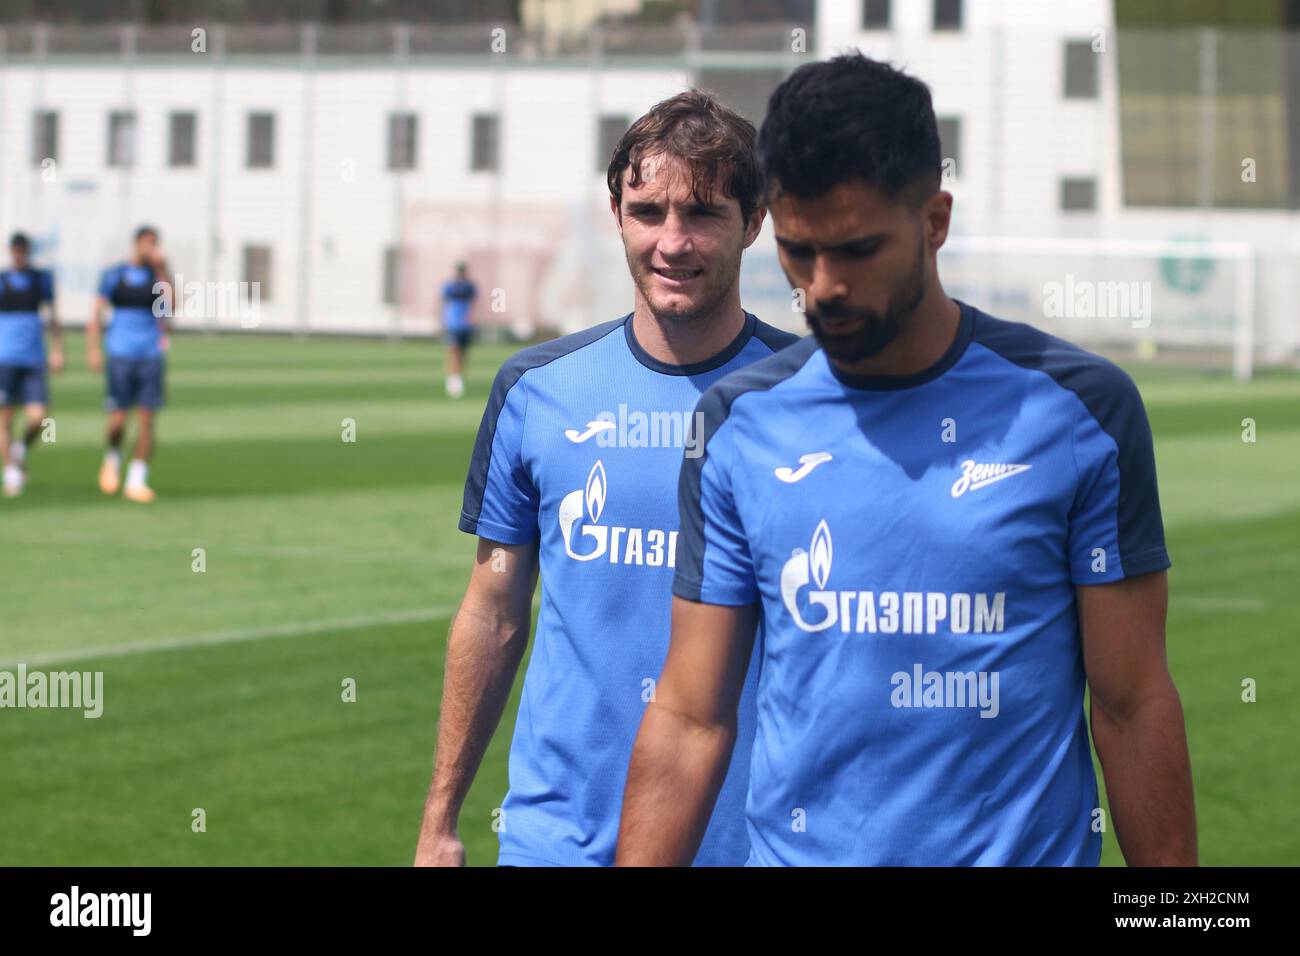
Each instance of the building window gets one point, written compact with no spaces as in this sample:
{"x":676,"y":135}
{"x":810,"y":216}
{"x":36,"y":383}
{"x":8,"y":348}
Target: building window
{"x":875,"y":14}
{"x":180,"y":148}
{"x":392,"y":275}
{"x":402,"y":129}
{"x":609,"y":131}
{"x":121,"y":139}
{"x":947,"y":14}
{"x":261,"y":140}
{"x":1080,"y":70}
{"x":1078,"y":194}
{"x":257,"y":269}
{"x":950,"y":143}
{"x":45,"y":137}
{"x":484,"y":146}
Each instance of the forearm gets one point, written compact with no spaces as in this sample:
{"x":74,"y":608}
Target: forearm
{"x":483,"y":655}
{"x":1148,"y":776}
{"x":677,"y":768}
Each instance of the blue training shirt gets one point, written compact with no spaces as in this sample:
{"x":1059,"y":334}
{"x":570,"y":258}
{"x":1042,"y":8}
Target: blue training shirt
{"x":915,"y":544}
{"x":580,"y":448}
{"x":22,"y":342}
{"x":133,"y":331}
{"x":458,"y":298}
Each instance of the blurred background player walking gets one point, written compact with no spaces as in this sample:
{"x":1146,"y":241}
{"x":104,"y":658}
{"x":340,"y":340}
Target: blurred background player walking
{"x":136,"y":294}
{"x":23,"y":290}
{"x":457,"y":304}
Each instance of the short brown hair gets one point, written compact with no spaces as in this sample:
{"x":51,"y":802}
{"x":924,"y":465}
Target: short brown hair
{"x":715,"y":142}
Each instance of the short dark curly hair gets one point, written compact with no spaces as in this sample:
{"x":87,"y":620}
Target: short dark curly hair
{"x":715,"y":142}
{"x":851,"y":118}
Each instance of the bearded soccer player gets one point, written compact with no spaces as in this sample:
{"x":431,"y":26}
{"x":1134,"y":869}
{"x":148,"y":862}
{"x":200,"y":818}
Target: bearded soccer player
{"x":949,"y":525}
{"x":575,"y":474}
{"x":136,"y":295}
{"x":23,"y":291}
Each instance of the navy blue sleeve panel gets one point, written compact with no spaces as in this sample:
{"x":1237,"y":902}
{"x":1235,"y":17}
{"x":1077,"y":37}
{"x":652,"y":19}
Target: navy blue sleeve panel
{"x":710,"y":527}
{"x":774,"y":338}
{"x":713,"y":561}
{"x":1116,"y":530}
{"x":498,"y":490}
{"x":107,"y":280}
{"x":46,"y":285}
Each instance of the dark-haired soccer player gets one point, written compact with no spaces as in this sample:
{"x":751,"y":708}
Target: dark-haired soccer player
{"x":136,"y":293}
{"x":949,"y":525}
{"x":575,"y":474}
{"x":23,"y":291}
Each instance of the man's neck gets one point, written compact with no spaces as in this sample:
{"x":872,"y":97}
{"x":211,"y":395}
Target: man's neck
{"x":677,"y":342}
{"x":927,"y":336}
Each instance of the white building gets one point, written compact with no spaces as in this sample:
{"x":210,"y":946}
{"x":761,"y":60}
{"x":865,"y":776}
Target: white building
{"x":346,"y":171}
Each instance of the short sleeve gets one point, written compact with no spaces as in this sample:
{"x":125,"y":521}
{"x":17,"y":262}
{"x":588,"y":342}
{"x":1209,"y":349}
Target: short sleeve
{"x":106,"y":282}
{"x":1116,"y":531}
{"x":47,"y":286}
{"x":714,"y":565}
{"x":501,"y":501}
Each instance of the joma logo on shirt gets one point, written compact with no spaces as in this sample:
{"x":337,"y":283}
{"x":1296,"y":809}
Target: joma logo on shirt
{"x":641,"y":429}
{"x":882,"y":612}
{"x":640,"y":546}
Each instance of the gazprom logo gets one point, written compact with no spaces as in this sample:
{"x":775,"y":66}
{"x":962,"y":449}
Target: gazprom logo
{"x":587,"y":540}
{"x":571,"y":510}
{"x":596,"y":485}
{"x":880,"y":612}
{"x":820,"y":554}
{"x":802,"y":568}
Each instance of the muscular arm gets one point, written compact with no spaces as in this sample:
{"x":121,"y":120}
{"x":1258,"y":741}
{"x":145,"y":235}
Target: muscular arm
{"x":487,"y":642}
{"x":95,"y":323}
{"x":56,"y":338}
{"x":1137,"y":720}
{"x":684,"y":745}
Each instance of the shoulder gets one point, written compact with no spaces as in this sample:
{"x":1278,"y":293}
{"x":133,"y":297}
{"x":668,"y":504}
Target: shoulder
{"x":765,"y":374}
{"x":774,"y":338}
{"x":537,"y":356}
{"x":1108,"y":392}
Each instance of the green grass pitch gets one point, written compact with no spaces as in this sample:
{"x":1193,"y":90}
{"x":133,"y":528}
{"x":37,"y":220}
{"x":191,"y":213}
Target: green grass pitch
{"x":329,"y":560}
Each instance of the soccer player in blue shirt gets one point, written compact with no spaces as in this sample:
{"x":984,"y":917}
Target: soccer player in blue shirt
{"x":574,"y":474}
{"x":23,"y":291}
{"x":457,"y":303}
{"x":948,"y":524}
{"x":137,"y":295}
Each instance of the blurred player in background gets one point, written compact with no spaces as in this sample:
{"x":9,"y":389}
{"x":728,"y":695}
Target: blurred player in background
{"x":137,"y":296}
{"x":947,"y":523}
{"x":457,"y":305}
{"x":23,"y":290}
{"x":574,"y":474}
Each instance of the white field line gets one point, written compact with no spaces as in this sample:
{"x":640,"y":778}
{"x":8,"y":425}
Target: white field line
{"x":236,"y":635}
{"x":1201,"y":602}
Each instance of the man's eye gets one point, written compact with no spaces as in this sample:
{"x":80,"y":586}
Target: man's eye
{"x":860,"y":252}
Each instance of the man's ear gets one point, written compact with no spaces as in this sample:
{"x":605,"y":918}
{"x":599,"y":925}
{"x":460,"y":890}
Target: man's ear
{"x":936,"y":217}
{"x":755,"y":224}
{"x":618,"y":217}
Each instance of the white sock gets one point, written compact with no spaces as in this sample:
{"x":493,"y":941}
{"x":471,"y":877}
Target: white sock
{"x":18,"y":452}
{"x":112,"y":457}
{"x":13,"y":475}
{"x":137,"y":472}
